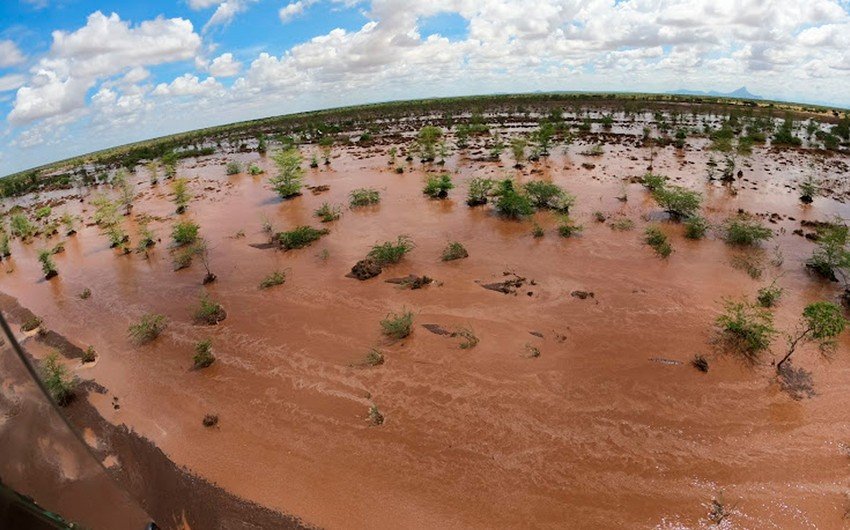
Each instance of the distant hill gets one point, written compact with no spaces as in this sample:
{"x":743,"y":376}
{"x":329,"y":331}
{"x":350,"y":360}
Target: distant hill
{"x":742,"y":93}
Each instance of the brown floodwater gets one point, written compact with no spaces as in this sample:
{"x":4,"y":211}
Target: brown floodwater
{"x":609,"y":427}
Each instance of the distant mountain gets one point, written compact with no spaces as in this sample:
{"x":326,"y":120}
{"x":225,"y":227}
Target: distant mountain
{"x":742,"y":93}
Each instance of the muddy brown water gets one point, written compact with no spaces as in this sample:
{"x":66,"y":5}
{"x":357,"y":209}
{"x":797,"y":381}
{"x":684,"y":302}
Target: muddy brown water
{"x":593,"y":433}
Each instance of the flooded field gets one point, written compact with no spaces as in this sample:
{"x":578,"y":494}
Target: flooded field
{"x":578,"y":407}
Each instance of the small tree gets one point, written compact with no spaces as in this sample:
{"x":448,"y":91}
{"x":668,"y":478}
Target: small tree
{"x":60,"y":385}
{"x":181,"y":194}
{"x":126,"y":191}
{"x":518,"y":146}
{"x":437,"y":187}
{"x":746,"y":329}
{"x":808,"y":190}
{"x":479,"y":190}
{"x":47,"y":264}
{"x":201,"y":249}
{"x":326,"y":144}
{"x":426,"y":142}
{"x":831,"y":258}
{"x":70,"y":222}
{"x":287,"y":183}
{"x":821,"y":323}
{"x":185,"y":233}
{"x":679,"y":202}
{"x":203,"y":354}
{"x":510,"y":202}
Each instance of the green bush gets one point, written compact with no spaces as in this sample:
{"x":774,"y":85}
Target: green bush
{"x":746,"y":329}
{"x":300,"y":237}
{"x":203,"y":354}
{"x":184,"y":232}
{"x":622,"y":224}
{"x":696,"y":227}
{"x":398,"y":325}
{"x":654,"y":182}
{"x":831,"y":258}
{"x":769,"y":295}
{"x":273,"y":279}
{"x":181,"y":194}
{"x":479,"y":190}
{"x":655,"y":238}
{"x":390,"y":252}
{"x":437,"y":187}
{"x":566,"y":227}
{"x":328,"y":213}
{"x":364,"y":197}
{"x":233,"y":167}
{"x":511,"y":203}
{"x":60,"y":385}
{"x":744,"y":230}
{"x":287,"y":183}
{"x":209,"y":311}
{"x":148,"y":328}
{"x":679,"y":202}
{"x":548,"y":195}
{"x":453,"y":251}
{"x":47,"y":264}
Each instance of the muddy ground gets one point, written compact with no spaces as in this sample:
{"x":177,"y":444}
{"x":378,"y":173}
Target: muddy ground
{"x":608,"y":426}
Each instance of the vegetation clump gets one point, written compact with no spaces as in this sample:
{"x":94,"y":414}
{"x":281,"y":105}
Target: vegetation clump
{"x":453,"y":251}
{"x":89,"y":355}
{"x":696,"y":227}
{"x":822,"y":323}
{"x":655,"y":238}
{"x":769,"y":295}
{"x":376,"y":418}
{"x":60,"y":385}
{"x":30,"y":324}
{"x":233,"y":168}
{"x":479,"y":191}
{"x":438,"y":186}
{"x":831,"y":258}
{"x":391,"y":252}
{"x":567,"y":228}
{"x":327,"y":212}
{"x":679,"y":202}
{"x":548,"y":195}
{"x":398,"y":325}
{"x":364,"y":197}
{"x":622,"y":224}
{"x":300,"y":237}
{"x":203,"y":354}
{"x":273,"y":279}
{"x":746,"y":329}
{"x":744,"y":230}
{"x":209,"y":311}
{"x":181,"y":194}
{"x":511,"y":203}
{"x":148,"y":328}
{"x":427,"y":142}
{"x":287,"y":183}
{"x":184,"y":233}
{"x":48,"y":267}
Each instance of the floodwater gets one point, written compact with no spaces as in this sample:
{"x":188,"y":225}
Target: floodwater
{"x":609,"y":427}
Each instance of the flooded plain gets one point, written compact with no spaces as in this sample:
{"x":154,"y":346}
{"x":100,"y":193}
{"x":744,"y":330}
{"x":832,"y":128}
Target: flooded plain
{"x":609,"y":426}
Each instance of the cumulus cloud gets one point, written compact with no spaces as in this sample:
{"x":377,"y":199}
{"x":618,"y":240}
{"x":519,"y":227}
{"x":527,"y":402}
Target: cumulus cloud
{"x":294,"y":9}
{"x":188,"y":85}
{"x":11,"y":82}
{"x":225,"y":66}
{"x":227,"y":11}
{"x":105,"y":46}
{"x":204,"y":4}
{"x":10,"y":54}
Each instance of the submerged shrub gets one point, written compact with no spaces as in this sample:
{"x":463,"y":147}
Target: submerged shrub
{"x":148,"y":328}
{"x":822,"y":323}
{"x":437,"y":187}
{"x":479,"y":190}
{"x":746,"y":329}
{"x":510,"y":203}
{"x":47,"y":264}
{"x":273,"y":279}
{"x":203,"y":354}
{"x":287,"y":183}
{"x":21,"y":227}
{"x":679,"y":202}
{"x":233,"y":167}
{"x":655,"y":238}
{"x":364,"y":197}
{"x":769,"y":295}
{"x":184,"y":233}
{"x":391,"y":252}
{"x":328,"y":213}
{"x":181,"y":194}
{"x":548,"y":195}
{"x":398,"y":325}
{"x":60,"y":385}
{"x":209,"y":311}
{"x":300,"y":237}
{"x":622,"y":224}
{"x":654,"y":182}
{"x":744,"y":230}
{"x":831,"y":258}
{"x":567,"y":228}
{"x":453,"y":251}
{"x":696,"y":227}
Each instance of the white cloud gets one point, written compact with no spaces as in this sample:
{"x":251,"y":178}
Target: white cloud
{"x":189,"y":85}
{"x":11,"y":82}
{"x":225,"y":66}
{"x":227,"y":11}
{"x":294,"y":9}
{"x":10,"y":54}
{"x":105,"y":46}
{"x":203,"y":4}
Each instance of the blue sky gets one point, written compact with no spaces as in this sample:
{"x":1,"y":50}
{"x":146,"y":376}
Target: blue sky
{"x":80,"y":75}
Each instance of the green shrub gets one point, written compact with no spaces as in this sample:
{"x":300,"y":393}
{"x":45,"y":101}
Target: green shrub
{"x":622,"y":224}
{"x":822,"y":323}
{"x":5,"y":244}
{"x":831,"y":258}
{"x":148,"y":328}
{"x":364,"y":197}
{"x":184,"y":232}
{"x":537,"y":231}
{"x":117,"y":236}
{"x":209,"y":311}
{"x":89,"y":355}
{"x":181,"y":194}
{"x":696,"y":227}
{"x":437,"y":187}
{"x":233,"y":167}
{"x":300,"y":237}
{"x":255,"y":170}
{"x":426,"y":142}
{"x":511,"y":203}
{"x":566,"y":227}
{"x":746,"y":329}
{"x":548,"y":195}
{"x":655,"y":238}
{"x":328,"y":213}
{"x":390,"y":252}
{"x":453,"y":251}
{"x":273,"y":279}
{"x":744,"y":230}
{"x":60,"y":385}
{"x":287,"y":183}
{"x":31,"y":323}
{"x":43,"y":212}
{"x":654,"y":182}
{"x":479,"y":190}
{"x":21,"y":227}
{"x":679,"y":202}
{"x":47,"y":264}
{"x":203,"y":354}
{"x":398,"y":325}
{"x":769,"y":295}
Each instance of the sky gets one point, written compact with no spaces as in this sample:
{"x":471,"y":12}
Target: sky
{"x":82,"y":75}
